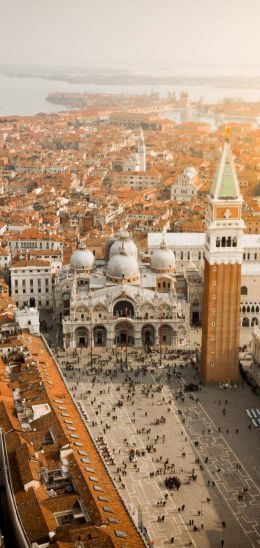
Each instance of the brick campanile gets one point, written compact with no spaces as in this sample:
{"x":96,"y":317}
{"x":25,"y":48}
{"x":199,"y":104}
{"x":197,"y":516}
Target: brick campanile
{"x":222,"y":275}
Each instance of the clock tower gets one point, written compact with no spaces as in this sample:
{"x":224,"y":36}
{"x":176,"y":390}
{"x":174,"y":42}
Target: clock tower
{"x":222,"y":274}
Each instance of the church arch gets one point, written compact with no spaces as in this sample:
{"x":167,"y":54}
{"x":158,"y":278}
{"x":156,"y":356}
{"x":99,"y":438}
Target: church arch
{"x":165,"y":311}
{"x":195,"y":311}
{"x":166,"y":334}
{"x":124,"y":334}
{"x":66,"y":303}
{"x":81,"y":337}
{"x":245,"y":322}
{"x":147,"y":310}
{"x":124,"y":308}
{"x":100,"y":311}
{"x":100,"y":335}
{"x":148,"y":335}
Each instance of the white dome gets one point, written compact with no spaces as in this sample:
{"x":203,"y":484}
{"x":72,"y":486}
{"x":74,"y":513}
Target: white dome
{"x":123,"y":267}
{"x":190,"y":172}
{"x":129,"y":246}
{"x":163,"y":259}
{"x":82,"y":259}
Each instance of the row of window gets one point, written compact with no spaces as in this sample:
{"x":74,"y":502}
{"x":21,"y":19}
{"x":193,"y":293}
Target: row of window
{"x":164,"y":285}
{"x":32,"y":290}
{"x":253,"y":256}
{"x":32,"y":282}
{"x":31,"y":271}
{"x":40,"y":303}
{"x":249,"y":309}
{"x":226,"y":241}
{"x":34,"y":245}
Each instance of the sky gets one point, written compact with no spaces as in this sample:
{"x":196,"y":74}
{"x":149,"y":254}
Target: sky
{"x":189,"y":36}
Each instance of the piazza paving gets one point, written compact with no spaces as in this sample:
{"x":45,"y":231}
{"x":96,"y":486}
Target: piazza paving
{"x":159,"y":431}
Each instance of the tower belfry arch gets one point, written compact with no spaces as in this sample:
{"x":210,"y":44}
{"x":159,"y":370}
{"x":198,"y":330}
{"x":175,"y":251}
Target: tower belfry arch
{"x":222,"y":274}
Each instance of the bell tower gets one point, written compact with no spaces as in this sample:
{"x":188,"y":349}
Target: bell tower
{"x":222,"y":274}
{"x":141,"y":152}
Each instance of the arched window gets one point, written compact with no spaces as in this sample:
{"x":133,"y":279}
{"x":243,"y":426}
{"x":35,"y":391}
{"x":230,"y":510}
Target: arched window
{"x":181,"y":255}
{"x":248,"y":309}
{"x":229,"y":241}
{"x":234,"y":242}
{"x":245,"y":322}
{"x":252,"y":308}
{"x":244,"y":309}
{"x":217,"y":242}
{"x":188,"y":256}
{"x":257,"y":309}
{"x":199,"y":255}
{"x":223,"y":242}
{"x":244,"y":290}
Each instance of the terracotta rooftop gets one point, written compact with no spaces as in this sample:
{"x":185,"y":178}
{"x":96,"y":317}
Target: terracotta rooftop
{"x":103,"y":519}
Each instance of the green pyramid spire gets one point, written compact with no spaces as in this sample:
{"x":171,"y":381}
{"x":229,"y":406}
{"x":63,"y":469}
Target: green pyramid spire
{"x":225,"y":185}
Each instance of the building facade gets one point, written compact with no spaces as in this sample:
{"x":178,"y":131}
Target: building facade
{"x":186,"y":186}
{"x":32,"y":284}
{"x":122,"y":301}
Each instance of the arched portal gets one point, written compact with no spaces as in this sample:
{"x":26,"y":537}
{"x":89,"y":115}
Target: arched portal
{"x":195,"y":311}
{"x":124,"y":308}
{"x":254,"y":322}
{"x":148,"y":335}
{"x":66,"y":303}
{"x":100,"y":335}
{"x":124,"y":334}
{"x":166,"y":335}
{"x":81,"y":336}
{"x":245,"y":322}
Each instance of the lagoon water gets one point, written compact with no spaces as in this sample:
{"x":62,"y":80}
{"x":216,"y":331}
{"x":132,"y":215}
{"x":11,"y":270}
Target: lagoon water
{"x":27,"y":96}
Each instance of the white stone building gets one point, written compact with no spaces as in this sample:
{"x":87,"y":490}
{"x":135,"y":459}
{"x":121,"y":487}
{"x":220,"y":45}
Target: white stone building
{"x":186,"y":186}
{"x":28,"y":318}
{"x":122,"y":301}
{"x":32,"y":284}
{"x":32,"y":239}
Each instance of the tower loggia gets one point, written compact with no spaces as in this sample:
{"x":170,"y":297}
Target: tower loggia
{"x":222,"y":274}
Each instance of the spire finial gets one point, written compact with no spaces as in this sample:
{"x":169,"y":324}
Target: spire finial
{"x":227,"y":133}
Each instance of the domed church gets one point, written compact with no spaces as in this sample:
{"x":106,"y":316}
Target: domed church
{"x":124,"y":298}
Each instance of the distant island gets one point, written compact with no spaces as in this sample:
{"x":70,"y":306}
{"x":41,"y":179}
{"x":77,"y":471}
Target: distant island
{"x":123,"y":77}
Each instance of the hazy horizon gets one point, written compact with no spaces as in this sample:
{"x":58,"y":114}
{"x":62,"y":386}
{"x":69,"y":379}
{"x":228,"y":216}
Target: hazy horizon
{"x":179,"y":37}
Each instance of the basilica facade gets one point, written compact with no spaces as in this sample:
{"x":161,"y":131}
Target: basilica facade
{"x":122,"y":300}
